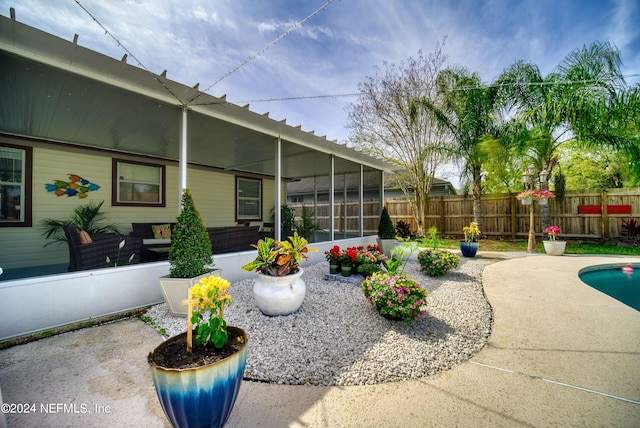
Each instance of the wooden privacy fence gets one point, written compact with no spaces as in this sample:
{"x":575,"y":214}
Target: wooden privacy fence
{"x":579,"y":215}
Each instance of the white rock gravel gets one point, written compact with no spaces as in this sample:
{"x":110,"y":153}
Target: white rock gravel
{"x":337,"y":338}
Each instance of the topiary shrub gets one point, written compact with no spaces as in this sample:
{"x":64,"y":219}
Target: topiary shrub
{"x":385,"y":227}
{"x":190,"y":252}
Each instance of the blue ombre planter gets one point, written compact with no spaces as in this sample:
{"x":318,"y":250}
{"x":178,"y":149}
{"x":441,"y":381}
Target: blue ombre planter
{"x":469,"y":249}
{"x":203,"y":396}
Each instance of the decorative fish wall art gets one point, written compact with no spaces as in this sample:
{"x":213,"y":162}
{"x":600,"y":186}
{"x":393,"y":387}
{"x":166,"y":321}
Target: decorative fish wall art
{"x":76,"y":186}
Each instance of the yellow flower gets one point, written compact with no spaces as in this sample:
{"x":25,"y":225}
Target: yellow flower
{"x":208,"y":290}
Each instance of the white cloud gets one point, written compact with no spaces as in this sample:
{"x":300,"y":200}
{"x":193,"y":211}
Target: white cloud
{"x":201,"y":40}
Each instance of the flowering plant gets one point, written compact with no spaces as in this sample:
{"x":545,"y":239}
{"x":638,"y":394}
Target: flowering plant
{"x":334,"y":255}
{"x":117,"y":262}
{"x":351,"y":255}
{"x":209,"y":295}
{"x":368,"y":262}
{"x":471,"y":232}
{"x":395,"y":296}
{"x":553,"y":232}
{"x":544,"y":194}
{"x":437,"y":262}
{"x":535,"y":194}
{"x":528,"y":193}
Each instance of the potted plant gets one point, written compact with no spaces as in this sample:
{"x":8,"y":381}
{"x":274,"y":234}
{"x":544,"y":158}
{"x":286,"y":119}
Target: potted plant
{"x":404,"y":231}
{"x":279,"y":288}
{"x":349,"y":260}
{"x":526,"y":196}
{"x":334,"y":257}
{"x":197,"y":374}
{"x":369,"y":260}
{"x":469,"y":247}
{"x":436,"y":262}
{"x":190,"y":256}
{"x":386,"y":233}
{"x":553,"y":246}
{"x":392,"y":292}
{"x":543,"y":196}
{"x":87,"y":218}
{"x":307,"y":225}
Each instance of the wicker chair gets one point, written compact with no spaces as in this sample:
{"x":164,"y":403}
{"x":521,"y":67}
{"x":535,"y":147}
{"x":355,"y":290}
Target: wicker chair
{"x":94,"y":255}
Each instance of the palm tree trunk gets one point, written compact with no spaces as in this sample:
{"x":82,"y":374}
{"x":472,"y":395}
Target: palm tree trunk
{"x":477,"y":197}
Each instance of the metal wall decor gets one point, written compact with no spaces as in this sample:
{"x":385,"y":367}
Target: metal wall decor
{"x":76,"y":186}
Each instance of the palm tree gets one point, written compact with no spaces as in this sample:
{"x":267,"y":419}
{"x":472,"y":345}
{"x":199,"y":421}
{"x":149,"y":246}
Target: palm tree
{"x":467,"y":114}
{"x":585,"y":100}
{"x":85,"y":217}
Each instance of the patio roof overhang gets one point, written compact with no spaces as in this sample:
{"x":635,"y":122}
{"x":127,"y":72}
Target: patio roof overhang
{"x":56,"y":90}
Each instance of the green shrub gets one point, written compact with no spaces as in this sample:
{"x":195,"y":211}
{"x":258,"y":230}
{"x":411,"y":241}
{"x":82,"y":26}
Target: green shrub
{"x":395,"y":296}
{"x":437,"y":262}
{"x":385,"y":227}
{"x":190,"y":251}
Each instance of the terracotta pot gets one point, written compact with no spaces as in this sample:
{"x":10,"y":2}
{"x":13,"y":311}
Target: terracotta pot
{"x":201,"y":396}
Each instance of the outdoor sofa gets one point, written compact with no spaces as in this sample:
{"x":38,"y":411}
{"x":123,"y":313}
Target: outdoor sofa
{"x":225,"y":239}
{"x":100,"y":250}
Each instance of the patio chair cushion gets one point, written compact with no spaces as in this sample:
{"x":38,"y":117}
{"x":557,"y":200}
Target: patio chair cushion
{"x":145,"y":230}
{"x":161,"y":231}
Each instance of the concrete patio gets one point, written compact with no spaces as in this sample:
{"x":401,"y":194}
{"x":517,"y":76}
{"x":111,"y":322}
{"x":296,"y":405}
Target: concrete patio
{"x":560,"y":353}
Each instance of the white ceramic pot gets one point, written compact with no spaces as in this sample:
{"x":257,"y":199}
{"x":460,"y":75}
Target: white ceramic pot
{"x":527,"y":201}
{"x":279,"y":295}
{"x":554,"y":248}
{"x":543,"y":201}
{"x":175,"y":290}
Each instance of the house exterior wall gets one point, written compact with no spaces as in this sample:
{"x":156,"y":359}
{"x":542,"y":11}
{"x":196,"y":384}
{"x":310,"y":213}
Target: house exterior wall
{"x":212,"y":190}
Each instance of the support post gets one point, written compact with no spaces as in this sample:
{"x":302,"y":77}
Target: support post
{"x":278,"y":192}
{"x":182,"y":160}
{"x":531,"y":246}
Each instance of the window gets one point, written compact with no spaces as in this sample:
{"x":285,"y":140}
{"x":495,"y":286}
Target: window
{"x":15,"y":186}
{"x":139,"y":184}
{"x":296,"y":199}
{"x":248,"y":199}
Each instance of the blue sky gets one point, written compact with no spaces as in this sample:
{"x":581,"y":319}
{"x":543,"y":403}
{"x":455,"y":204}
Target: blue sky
{"x":337,"y":48}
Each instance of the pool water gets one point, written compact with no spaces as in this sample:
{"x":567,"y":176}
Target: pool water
{"x":613,"y":281}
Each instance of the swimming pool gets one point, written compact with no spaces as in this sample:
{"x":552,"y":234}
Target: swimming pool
{"x":613,"y":281}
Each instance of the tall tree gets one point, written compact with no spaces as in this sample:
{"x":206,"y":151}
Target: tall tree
{"x":387,"y":121}
{"x":466,"y":109}
{"x":579,"y":101}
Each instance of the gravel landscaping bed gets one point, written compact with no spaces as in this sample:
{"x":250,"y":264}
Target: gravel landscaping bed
{"x":337,"y":338}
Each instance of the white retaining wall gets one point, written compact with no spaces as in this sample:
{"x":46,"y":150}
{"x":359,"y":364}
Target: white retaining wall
{"x":41,"y":303}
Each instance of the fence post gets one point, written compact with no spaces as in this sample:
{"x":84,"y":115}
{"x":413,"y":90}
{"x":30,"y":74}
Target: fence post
{"x":514,"y":216}
{"x":604,"y":217}
{"x":441,"y":226}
